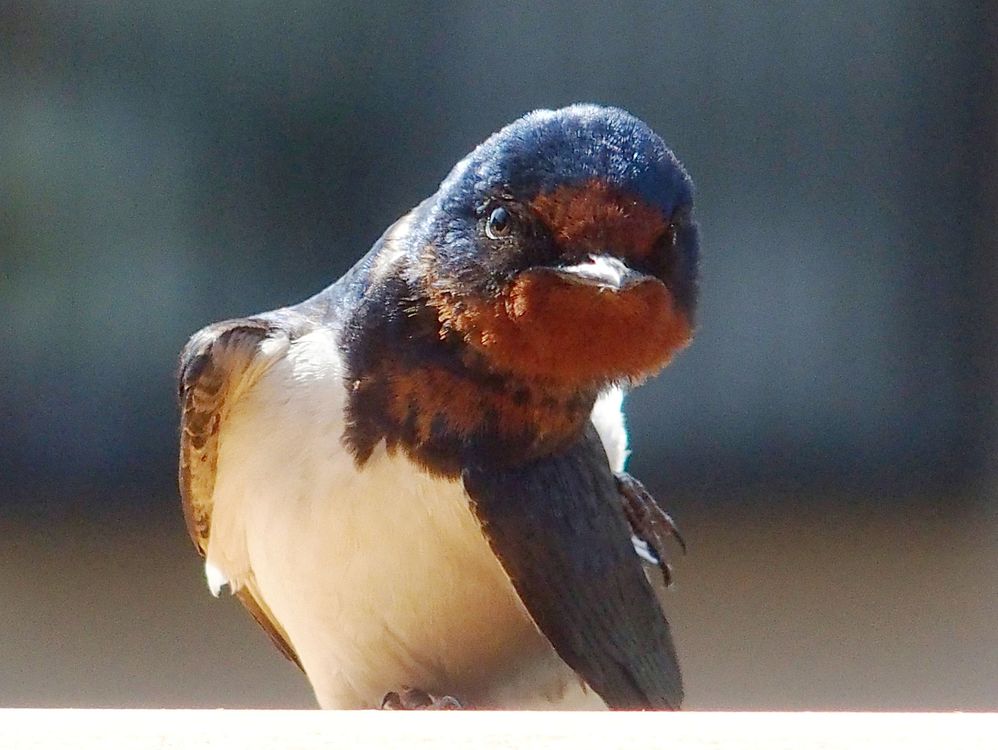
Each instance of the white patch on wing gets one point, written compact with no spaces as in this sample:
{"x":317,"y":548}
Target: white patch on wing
{"x":608,"y":418}
{"x":216,"y":579}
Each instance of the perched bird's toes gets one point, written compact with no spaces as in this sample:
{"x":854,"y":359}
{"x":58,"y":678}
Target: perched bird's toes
{"x":446,"y":703}
{"x":414,"y":699}
{"x":649,"y":523}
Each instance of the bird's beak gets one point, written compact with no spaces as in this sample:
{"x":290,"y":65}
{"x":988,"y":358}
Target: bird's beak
{"x":605,"y":272}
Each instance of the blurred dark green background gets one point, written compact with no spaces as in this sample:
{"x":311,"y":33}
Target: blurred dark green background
{"x":828,"y":443}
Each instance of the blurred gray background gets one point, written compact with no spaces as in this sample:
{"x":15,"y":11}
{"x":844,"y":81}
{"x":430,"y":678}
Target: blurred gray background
{"x":827,"y":444}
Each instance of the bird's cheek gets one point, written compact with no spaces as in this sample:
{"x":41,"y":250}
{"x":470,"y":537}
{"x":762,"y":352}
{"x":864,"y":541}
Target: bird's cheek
{"x":579,"y":335}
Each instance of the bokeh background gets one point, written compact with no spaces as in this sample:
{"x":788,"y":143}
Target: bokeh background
{"x":827,"y":444}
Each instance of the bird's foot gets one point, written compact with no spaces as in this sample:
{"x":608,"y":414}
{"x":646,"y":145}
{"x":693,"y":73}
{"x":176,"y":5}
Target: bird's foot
{"x":413,"y":699}
{"x":649,"y":523}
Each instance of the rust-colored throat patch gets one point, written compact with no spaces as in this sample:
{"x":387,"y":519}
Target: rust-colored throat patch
{"x":573,"y":334}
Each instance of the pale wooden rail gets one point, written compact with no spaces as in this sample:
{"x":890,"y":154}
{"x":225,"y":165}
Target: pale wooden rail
{"x":44,"y":729}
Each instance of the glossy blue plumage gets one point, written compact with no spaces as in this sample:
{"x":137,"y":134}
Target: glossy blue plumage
{"x":547,"y":148}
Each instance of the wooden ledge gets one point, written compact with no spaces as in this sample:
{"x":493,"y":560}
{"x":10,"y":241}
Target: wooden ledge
{"x":86,"y":729}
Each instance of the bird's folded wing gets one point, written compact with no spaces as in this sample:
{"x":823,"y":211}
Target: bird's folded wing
{"x":220,"y":363}
{"x":558,"y":529}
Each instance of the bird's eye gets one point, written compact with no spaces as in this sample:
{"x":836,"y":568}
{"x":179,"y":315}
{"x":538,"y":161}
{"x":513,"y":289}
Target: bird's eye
{"x":499,"y":223}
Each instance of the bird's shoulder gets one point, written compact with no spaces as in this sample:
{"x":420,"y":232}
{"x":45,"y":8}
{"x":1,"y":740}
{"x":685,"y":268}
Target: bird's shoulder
{"x":219,"y":364}
{"x":224,"y":362}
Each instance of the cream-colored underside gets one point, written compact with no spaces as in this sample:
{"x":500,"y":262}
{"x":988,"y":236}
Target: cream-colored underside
{"x":380,"y":577}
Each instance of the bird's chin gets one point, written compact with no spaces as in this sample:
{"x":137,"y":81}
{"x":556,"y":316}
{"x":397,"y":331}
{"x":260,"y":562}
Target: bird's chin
{"x":575,"y":329}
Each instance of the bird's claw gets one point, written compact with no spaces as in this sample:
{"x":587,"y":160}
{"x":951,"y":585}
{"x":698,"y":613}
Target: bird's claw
{"x":648,"y":521}
{"x":414,"y":699}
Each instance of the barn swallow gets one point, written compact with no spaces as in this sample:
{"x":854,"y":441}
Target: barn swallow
{"x":414,"y":480}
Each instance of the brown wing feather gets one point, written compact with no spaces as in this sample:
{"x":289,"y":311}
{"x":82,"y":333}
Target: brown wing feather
{"x":216,"y":366}
{"x":266,"y":620}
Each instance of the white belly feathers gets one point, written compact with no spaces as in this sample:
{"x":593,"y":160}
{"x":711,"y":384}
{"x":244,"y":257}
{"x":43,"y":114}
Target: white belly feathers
{"x":380,"y":576}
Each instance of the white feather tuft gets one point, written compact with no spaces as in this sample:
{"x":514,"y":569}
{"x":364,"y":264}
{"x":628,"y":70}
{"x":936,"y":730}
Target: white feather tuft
{"x":608,"y":418}
{"x":216,"y":579}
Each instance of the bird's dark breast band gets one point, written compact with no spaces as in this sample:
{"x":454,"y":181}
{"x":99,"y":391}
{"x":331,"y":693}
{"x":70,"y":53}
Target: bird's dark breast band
{"x":442,"y":417}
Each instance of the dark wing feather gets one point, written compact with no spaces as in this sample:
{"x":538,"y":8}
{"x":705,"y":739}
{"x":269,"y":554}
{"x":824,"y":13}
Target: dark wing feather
{"x":558,"y":529}
{"x":218,"y":363}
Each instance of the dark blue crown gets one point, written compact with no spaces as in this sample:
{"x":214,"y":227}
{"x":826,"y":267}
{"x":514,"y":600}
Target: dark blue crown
{"x":550,"y":148}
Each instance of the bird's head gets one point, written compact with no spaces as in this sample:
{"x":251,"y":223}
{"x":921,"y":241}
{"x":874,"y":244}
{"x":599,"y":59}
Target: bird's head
{"x":563,"y":249}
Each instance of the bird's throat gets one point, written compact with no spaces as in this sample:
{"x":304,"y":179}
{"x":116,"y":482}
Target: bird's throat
{"x":572,"y":336}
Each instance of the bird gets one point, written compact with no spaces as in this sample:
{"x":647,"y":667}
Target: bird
{"x":415,"y":479}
